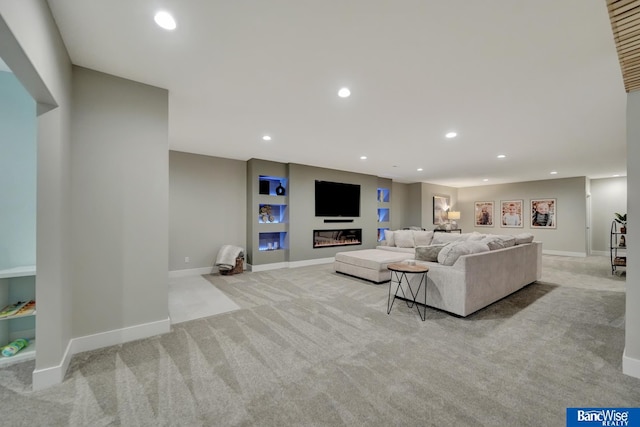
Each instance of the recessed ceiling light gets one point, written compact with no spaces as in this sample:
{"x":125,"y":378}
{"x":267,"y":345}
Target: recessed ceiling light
{"x":553,"y":173}
{"x":451,"y":135}
{"x":344,"y":92}
{"x":501,"y":156}
{"x":486,"y":179}
{"x":419,"y":169}
{"x":165,"y":20}
{"x":266,"y":138}
{"x":363,"y":157}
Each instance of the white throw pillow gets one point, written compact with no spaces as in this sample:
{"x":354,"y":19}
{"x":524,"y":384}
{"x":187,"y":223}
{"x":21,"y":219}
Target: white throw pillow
{"x":440,"y":237}
{"x":422,"y":238}
{"x":454,"y":250}
{"x":389,"y":237}
{"x":523,"y":238}
{"x":404,"y":239}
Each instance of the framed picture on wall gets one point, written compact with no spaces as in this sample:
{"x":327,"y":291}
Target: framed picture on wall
{"x":440,"y":207}
{"x":483,"y":214}
{"x":543,"y":213}
{"x":511,"y":213}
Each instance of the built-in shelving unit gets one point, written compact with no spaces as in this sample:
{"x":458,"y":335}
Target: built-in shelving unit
{"x":618,"y":247}
{"x":17,"y":284}
{"x":384,"y":211}
{"x":267,"y":239}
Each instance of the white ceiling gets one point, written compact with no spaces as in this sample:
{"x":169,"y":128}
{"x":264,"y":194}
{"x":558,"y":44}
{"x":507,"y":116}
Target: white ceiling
{"x":537,"y":80}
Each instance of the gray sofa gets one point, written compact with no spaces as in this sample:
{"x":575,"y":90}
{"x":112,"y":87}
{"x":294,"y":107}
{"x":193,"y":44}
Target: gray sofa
{"x":465,"y":280}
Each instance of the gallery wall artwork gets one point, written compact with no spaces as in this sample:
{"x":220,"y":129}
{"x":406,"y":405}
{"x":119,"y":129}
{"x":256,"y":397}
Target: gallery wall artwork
{"x":543,"y":213}
{"x":511,"y":213}
{"x":484,"y":214}
{"x":440,"y":207}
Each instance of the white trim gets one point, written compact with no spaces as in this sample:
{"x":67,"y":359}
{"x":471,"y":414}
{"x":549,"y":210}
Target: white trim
{"x":563,"y":253}
{"x":192,"y":272}
{"x":23,"y":271}
{"x":53,"y":375}
{"x":306,"y":262}
{"x":47,"y":377}
{"x":267,"y":267}
{"x":630,"y":366}
{"x":600,"y":253}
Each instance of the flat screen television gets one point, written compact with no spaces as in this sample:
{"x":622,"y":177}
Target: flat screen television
{"x":337,"y":199}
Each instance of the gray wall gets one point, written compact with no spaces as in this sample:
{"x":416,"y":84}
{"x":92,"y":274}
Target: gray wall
{"x":207,"y":208}
{"x":608,"y":196}
{"x":119,"y":165}
{"x":428,"y":191}
{"x":302,"y":219}
{"x":570,"y":235}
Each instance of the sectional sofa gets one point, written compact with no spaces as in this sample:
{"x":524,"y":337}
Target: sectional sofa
{"x":467,"y":272}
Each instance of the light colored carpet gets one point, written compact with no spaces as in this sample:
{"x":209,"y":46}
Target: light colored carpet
{"x":310,"y":347}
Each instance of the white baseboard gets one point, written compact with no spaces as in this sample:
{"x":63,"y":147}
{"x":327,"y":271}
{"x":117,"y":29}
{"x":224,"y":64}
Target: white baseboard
{"x":47,"y":377}
{"x":53,"y":375}
{"x":267,"y":267}
{"x":630,"y":366}
{"x":192,"y":272}
{"x":306,"y":262}
{"x":600,"y":253}
{"x":563,"y":253}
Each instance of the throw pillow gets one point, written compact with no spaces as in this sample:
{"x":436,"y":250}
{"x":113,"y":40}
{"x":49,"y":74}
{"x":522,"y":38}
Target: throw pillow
{"x":422,"y":238}
{"x":493,"y":242}
{"x":439,"y":238}
{"x":454,"y":250}
{"x":508,"y":240}
{"x":389,"y":237}
{"x":404,"y":238}
{"x":429,"y":253}
{"x":523,"y":238}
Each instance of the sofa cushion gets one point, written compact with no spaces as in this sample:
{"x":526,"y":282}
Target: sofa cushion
{"x":397,"y":249}
{"x":389,"y":237}
{"x":523,"y":238}
{"x":454,"y":250}
{"x":429,"y":253}
{"x":370,"y":258}
{"x":404,"y":239}
{"x":422,"y":238}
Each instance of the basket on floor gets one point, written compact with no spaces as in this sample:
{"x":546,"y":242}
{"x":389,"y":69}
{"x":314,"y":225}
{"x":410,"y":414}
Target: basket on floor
{"x":239,"y":268}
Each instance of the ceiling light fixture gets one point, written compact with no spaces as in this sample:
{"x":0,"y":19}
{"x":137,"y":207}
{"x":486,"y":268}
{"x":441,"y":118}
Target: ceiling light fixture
{"x":501,"y":156}
{"x":419,"y":169}
{"x":451,"y":135}
{"x":165,"y":20}
{"x":344,"y":92}
{"x":363,"y":157}
{"x":486,"y":179}
{"x":266,"y":138}
{"x":553,"y":173}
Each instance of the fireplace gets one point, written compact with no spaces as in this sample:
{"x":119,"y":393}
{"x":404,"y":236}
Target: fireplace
{"x":342,"y":237}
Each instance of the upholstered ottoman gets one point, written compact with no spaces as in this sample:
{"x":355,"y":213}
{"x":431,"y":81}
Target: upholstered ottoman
{"x":368,"y":264}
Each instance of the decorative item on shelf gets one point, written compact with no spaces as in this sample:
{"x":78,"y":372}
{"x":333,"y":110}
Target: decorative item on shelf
{"x":452,"y":216}
{"x":622,"y":220}
{"x":280,"y":190}
{"x":265,"y":213}
{"x":620,"y":261}
{"x":623,"y":242}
